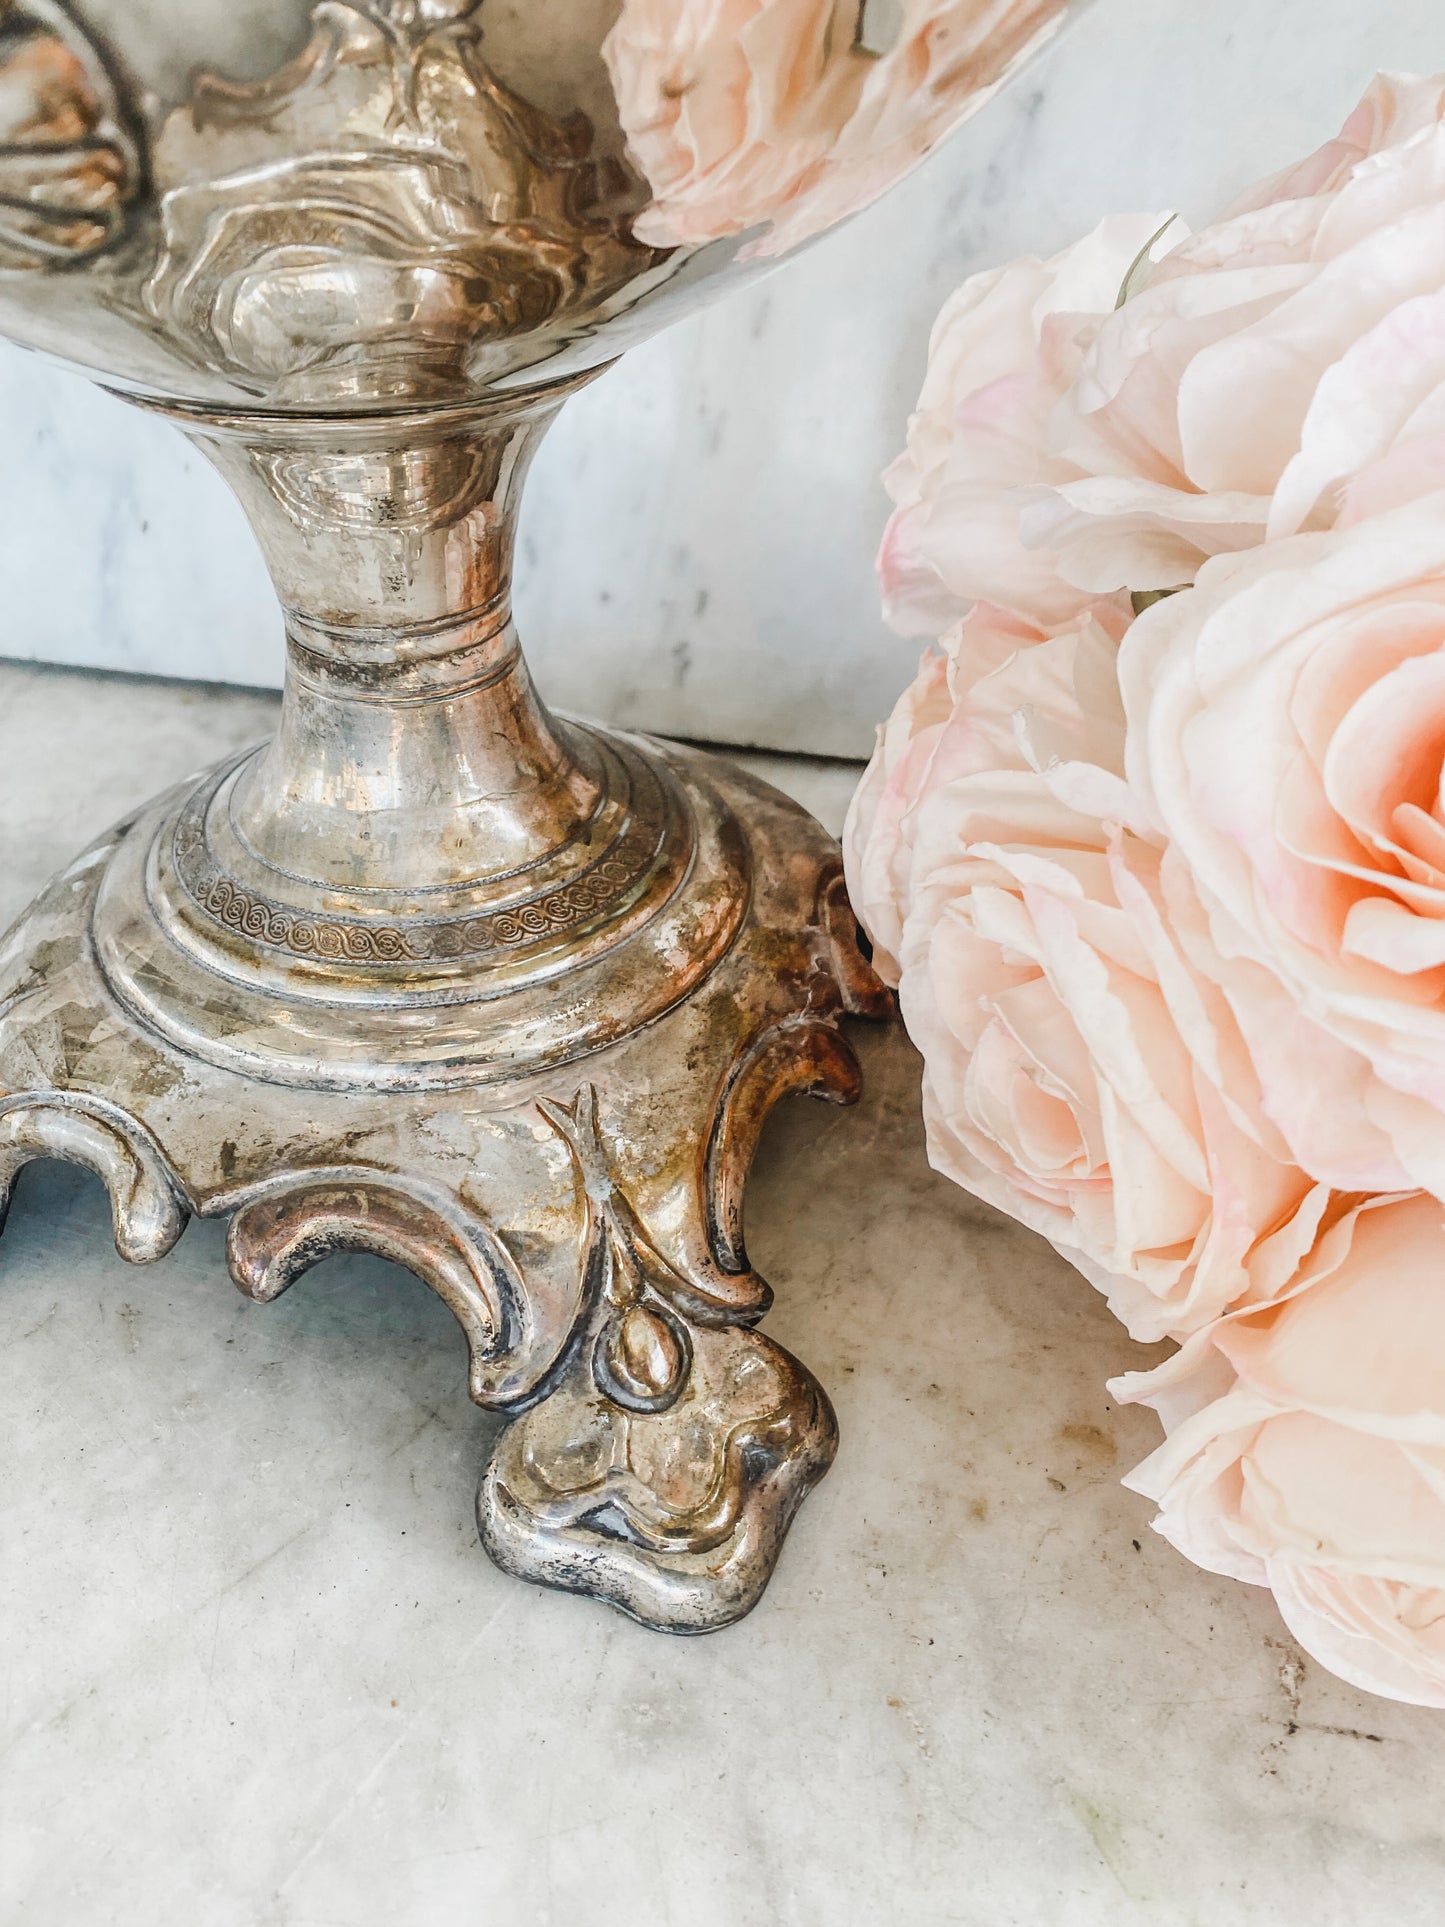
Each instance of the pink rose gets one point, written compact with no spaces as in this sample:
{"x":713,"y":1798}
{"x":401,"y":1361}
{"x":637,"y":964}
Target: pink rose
{"x":1287,"y":732}
{"x":1282,"y":370}
{"x":878,"y":837}
{"x":1079,"y":1073}
{"x":1165,"y":898}
{"x":1306,"y":1450}
{"x":951,"y":55}
{"x":1395,"y":107}
{"x":751,"y":113}
{"x":1003,"y":352}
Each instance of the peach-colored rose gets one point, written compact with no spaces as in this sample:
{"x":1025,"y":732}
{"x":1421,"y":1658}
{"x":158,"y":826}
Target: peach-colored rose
{"x":744,"y":114}
{"x":1079,"y":1073}
{"x":1306,"y":1449}
{"x":1003,"y":352}
{"x":950,"y":57}
{"x":1393,"y":109}
{"x":1284,"y":369}
{"x":1287,"y":732}
{"x":878,"y":839}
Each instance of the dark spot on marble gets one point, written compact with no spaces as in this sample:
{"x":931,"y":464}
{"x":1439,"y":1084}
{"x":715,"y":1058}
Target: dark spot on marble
{"x":1092,"y":1443}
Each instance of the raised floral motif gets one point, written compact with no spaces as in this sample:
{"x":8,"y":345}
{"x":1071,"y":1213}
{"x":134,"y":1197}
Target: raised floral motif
{"x":363,"y":222}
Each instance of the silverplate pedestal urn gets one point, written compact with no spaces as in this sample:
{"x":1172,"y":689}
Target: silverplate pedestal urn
{"x":434,"y":973}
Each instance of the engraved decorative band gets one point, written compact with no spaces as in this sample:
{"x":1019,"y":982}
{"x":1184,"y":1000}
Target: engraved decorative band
{"x":596,"y":892}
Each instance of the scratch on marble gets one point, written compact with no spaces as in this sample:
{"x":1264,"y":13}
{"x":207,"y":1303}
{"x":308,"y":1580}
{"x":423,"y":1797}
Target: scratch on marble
{"x":265,"y":1559}
{"x":1107,"y":1838}
{"x":1024,"y":1586}
{"x":39,"y":1326}
{"x":373,"y":1773}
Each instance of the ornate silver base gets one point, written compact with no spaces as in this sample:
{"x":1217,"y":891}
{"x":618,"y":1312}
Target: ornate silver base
{"x":560,"y":1155}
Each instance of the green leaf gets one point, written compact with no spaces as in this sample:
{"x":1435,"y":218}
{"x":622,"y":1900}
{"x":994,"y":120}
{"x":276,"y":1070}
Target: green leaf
{"x":1139,"y":267}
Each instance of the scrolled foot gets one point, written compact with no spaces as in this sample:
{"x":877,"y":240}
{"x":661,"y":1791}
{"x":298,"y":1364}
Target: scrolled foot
{"x":662,"y":1467}
{"x":676,"y":1517}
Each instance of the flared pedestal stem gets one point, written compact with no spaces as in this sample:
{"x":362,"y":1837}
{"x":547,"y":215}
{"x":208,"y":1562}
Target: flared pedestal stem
{"x":502,"y":998}
{"x":413,"y":754}
{"x":388,"y":893}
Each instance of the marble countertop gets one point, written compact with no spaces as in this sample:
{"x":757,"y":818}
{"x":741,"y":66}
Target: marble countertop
{"x":256,"y":1672}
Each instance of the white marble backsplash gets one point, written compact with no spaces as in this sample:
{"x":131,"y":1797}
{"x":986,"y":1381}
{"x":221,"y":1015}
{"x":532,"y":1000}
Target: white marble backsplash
{"x":697,"y":548}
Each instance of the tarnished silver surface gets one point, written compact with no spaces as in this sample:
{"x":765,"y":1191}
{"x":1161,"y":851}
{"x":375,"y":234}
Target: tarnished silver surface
{"x":582,"y":1220}
{"x":434,"y":974}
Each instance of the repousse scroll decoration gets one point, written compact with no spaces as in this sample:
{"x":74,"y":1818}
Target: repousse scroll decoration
{"x":657,"y":1455}
{"x":636,"y":1304}
{"x":365,"y":221}
{"x":69,"y":169}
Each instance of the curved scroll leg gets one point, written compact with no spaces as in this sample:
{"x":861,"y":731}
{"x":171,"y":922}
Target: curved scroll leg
{"x":297,"y":1222}
{"x":146,"y":1207}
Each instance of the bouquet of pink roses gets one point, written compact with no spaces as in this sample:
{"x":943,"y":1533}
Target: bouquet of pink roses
{"x":1154,"y":847}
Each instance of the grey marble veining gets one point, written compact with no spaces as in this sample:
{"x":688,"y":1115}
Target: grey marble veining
{"x":698,"y":543}
{"x":256,"y":1672}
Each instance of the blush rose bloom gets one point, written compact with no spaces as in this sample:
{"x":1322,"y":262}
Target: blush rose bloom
{"x":1282,"y":370}
{"x":743,"y":114}
{"x":1306,"y":1450}
{"x":1287,"y":733}
{"x":1078,"y":1073}
{"x":1003,"y":353}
